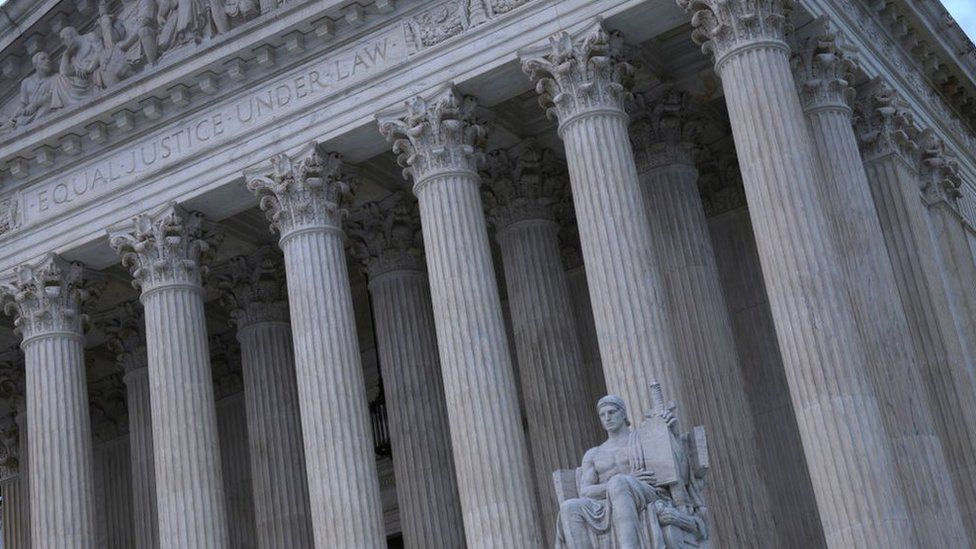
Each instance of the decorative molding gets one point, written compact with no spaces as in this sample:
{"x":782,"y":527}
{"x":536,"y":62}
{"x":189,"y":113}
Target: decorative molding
{"x":48,"y":296}
{"x":665,"y":129}
{"x":884,"y":125}
{"x":385,"y":235}
{"x":436,"y":134}
{"x":823,"y":65}
{"x":579,"y":73}
{"x":166,"y":248}
{"x":939,"y":172}
{"x":523,"y":183}
{"x":252,"y":287}
{"x":309,"y":190}
{"x":722,"y":27}
{"x":449,"y":19}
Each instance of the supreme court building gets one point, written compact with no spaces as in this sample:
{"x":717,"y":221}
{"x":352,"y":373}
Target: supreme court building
{"x":349,"y":273}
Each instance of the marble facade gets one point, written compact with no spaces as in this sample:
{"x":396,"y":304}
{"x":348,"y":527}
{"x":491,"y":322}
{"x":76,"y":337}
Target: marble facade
{"x":294,"y":273}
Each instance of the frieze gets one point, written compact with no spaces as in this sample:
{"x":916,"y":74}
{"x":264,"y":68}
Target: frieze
{"x":211,"y":128}
{"x":449,"y":19}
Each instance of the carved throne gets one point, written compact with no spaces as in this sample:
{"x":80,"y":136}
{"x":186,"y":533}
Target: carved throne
{"x":679,"y":462}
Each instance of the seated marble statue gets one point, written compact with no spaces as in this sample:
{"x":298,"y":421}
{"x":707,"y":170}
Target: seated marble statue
{"x":641,"y":489}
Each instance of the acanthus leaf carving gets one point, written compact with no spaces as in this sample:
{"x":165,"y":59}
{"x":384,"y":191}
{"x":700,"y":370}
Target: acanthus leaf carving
{"x":125,"y":336}
{"x":166,"y":248}
{"x":311,"y":190}
{"x":252,"y":287}
{"x":580,"y":73}
{"x":724,"y":26}
{"x":824,"y":64}
{"x":665,"y":130}
{"x":884,"y":125}
{"x":939,"y":170}
{"x":385,"y":236}
{"x":523,"y":183}
{"x":48,"y":296}
{"x":436,"y":135}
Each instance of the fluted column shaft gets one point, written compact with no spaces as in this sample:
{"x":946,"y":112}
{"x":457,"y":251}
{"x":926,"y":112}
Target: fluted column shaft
{"x":145,"y":525}
{"x":114,"y":497}
{"x":893,"y":365}
{"x":304,"y":199}
{"x":626,"y":293}
{"x":164,"y":252}
{"x":235,"y":464}
{"x":427,"y":492}
{"x":920,"y":285}
{"x":343,"y":487}
{"x":439,"y":140}
{"x":189,"y":485}
{"x":16,"y":512}
{"x":275,"y":436}
{"x":706,"y":351}
{"x":596,"y":385}
{"x":837,"y":411}
{"x":479,"y":382}
{"x":551,"y":373}
{"x":60,"y":472}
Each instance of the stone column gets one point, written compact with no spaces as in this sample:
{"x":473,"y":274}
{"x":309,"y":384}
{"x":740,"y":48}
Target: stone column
{"x":15,"y":515}
{"x":47,"y":298}
{"x":665,"y":134}
{"x":254,"y":292}
{"x":584,"y":82}
{"x":389,"y":243}
{"x":569,"y":248}
{"x":164,"y":252}
{"x":836,"y":408}
{"x":523,"y":185}
{"x":127,"y":339}
{"x":823,"y":68}
{"x":940,"y":183}
{"x":890,"y":154}
{"x":113,"y":474}
{"x":305,"y":200}
{"x":439,"y":143}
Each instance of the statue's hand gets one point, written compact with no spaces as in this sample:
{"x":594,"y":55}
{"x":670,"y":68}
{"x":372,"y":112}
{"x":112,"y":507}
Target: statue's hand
{"x":647,"y":477}
{"x":668,"y":516}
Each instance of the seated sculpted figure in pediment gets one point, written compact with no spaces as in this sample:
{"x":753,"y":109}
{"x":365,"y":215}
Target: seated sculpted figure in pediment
{"x":641,"y":489}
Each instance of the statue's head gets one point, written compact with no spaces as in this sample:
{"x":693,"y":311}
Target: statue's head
{"x":42,"y":63}
{"x":68,"y":35}
{"x":612,"y":412}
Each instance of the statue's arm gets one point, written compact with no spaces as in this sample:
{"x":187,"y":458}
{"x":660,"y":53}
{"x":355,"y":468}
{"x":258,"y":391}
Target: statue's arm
{"x":590,"y":486}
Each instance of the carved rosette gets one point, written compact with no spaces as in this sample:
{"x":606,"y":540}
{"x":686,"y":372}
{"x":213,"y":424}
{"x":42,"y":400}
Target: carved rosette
{"x":125,"y":336}
{"x":939,"y":170}
{"x":436,"y":135}
{"x":167,"y":248}
{"x":310,"y":190}
{"x":824,"y":66}
{"x":523,"y":183}
{"x":47,"y":297}
{"x":581,"y":73}
{"x":723,"y":27}
{"x":253,"y":288}
{"x":385,"y":236}
{"x":884,"y":126}
{"x":664,"y":130}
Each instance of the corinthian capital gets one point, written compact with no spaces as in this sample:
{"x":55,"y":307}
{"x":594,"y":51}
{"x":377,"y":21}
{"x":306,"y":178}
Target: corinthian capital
{"x":166,"y":248}
{"x":9,"y":448}
{"x":47,"y":297}
{"x":253,"y":287}
{"x":12,"y":380}
{"x":125,"y":336}
{"x":724,"y":26}
{"x":309,"y":190}
{"x":664,"y":129}
{"x":436,"y":135}
{"x":523,"y":183}
{"x":580,"y":73}
{"x":385,"y":235}
{"x":884,"y":125}
{"x":824,"y":65}
{"x":939,"y":170}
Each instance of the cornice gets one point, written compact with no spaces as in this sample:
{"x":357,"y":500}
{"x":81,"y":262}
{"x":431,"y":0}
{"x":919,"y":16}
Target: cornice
{"x":882,"y":54}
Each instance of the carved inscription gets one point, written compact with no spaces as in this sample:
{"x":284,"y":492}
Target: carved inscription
{"x":162,"y":149}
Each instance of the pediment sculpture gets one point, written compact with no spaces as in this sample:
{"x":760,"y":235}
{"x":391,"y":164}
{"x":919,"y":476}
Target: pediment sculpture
{"x":119,"y":44}
{"x":641,"y":488}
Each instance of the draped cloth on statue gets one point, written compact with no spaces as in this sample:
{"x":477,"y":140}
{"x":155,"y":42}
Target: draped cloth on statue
{"x":76,"y":81}
{"x":597,"y":513}
{"x":189,"y":21}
